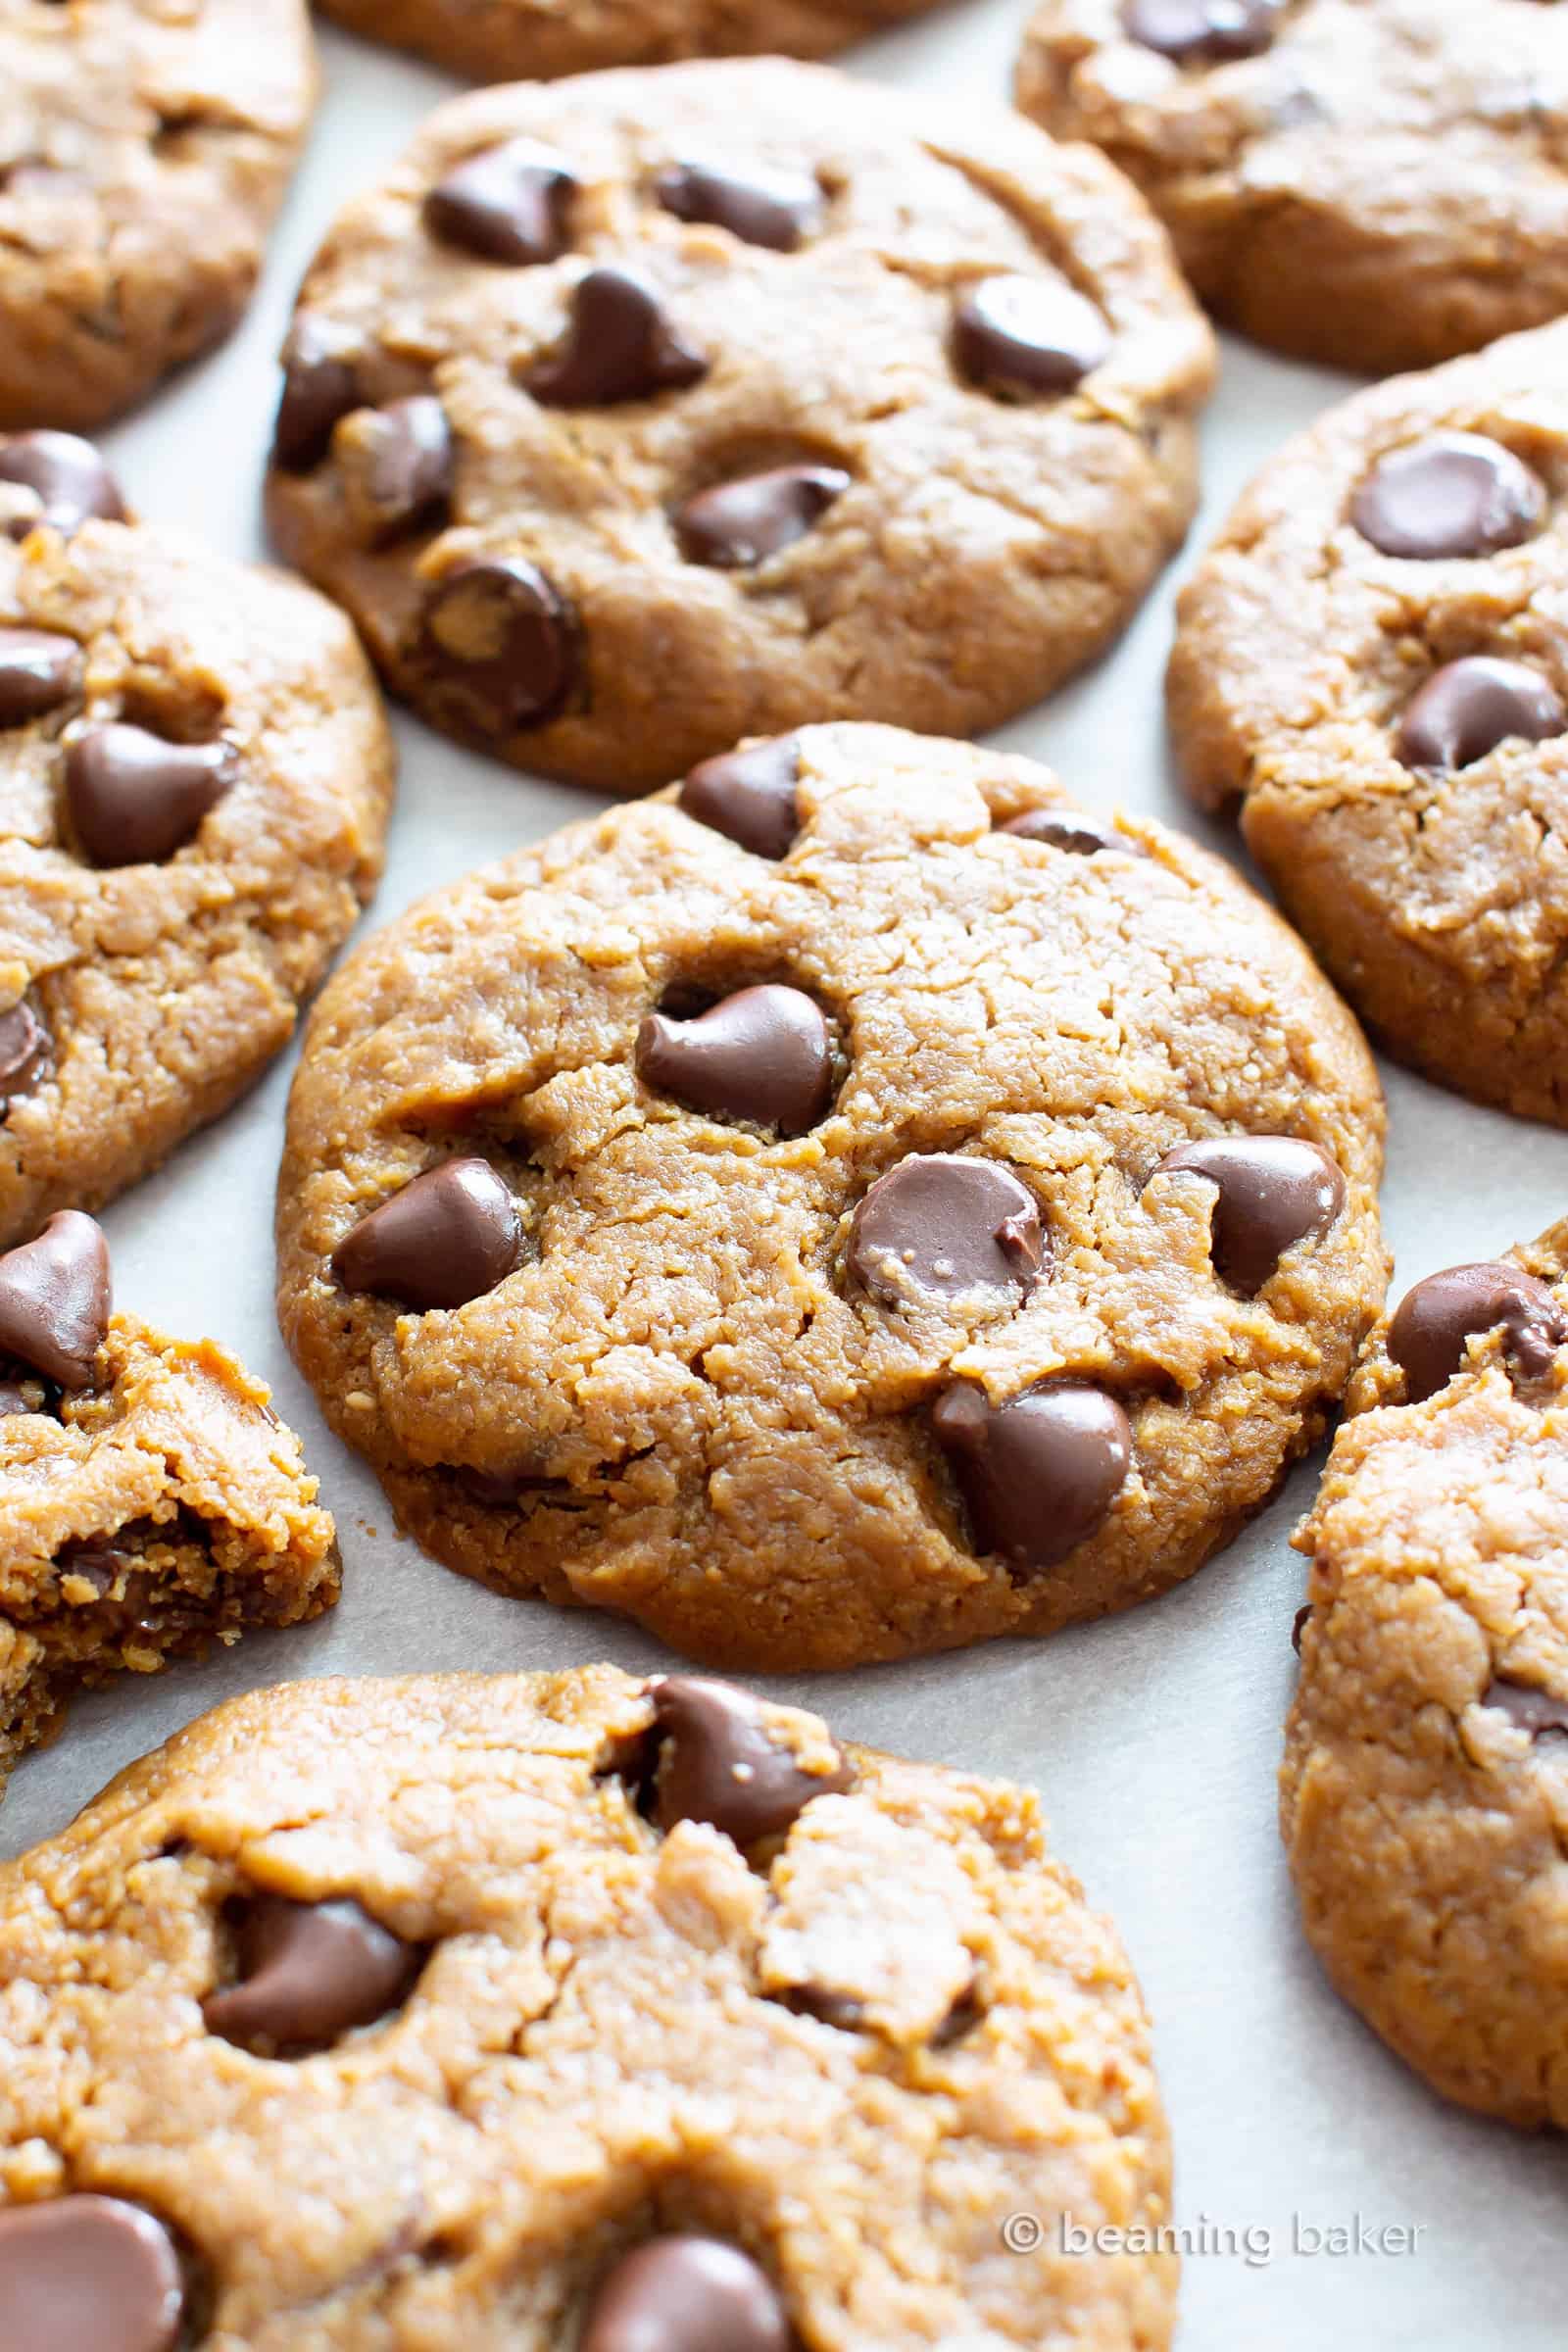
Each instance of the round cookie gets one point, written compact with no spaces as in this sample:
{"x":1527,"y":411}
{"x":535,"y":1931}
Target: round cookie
{"x":540,"y":2010}
{"x":195,"y":774}
{"x":146,"y":147}
{"x":640,"y":413}
{"x":1372,"y":183}
{"x":1424,"y":1787}
{"x":1372,"y":659}
{"x":922,"y":1226}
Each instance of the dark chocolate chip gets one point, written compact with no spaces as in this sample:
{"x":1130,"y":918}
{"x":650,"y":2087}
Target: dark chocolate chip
{"x":497,"y":647}
{"x":1466,"y":709}
{"x":505,"y":204}
{"x":775,"y":209}
{"x":745,"y":521}
{"x":66,"y":475}
{"x":686,"y":2295}
{"x":1452,"y":494}
{"x":308,"y":1973}
{"x":943,"y":1227}
{"x":55,"y":1300}
{"x":26,"y":1053}
{"x":1070,"y":829}
{"x":321,"y":386}
{"x":450,"y":1236}
{"x":1533,"y":1710}
{"x":1024,"y":337}
{"x":1299,"y":1626}
{"x":39,"y":669}
{"x":841,"y":2010}
{"x":764,"y":1054}
{"x":718,"y":1762}
{"x":1434,"y":1321}
{"x":618,"y":345}
{"x":408,"y":471}
{"x":1208,"y":30}
{"x":135,"y":798}
{"x":1273,"y":1191}
{"x":1038,"y":1474}
{"x":85,"y":2274}
{"x":748,"y":795}
{"x":99,"y":1563}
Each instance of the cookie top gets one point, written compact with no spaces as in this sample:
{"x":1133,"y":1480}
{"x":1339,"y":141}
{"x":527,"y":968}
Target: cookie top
{"x":1372,"y":657}
{"x":642,"y":412}
{"x":858,"y":1204}
{"x":146,"y":147}
{"x":523,"y":1964}
{"x":1425,"y":1789}
{"x":1374,"y":183}
{"x":195,"y":774}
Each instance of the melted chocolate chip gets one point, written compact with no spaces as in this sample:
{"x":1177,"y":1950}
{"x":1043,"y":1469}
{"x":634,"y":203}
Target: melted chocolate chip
{"x":1429,"y":1335}
{"x":1273,"y":1191}
{"x":1533,"y":1710}
{"x":947,"y":1228}
{"x":1025,"y":337}
{"x":1299,"y":1626}
{"x":308,"y":1973}
{"x":763,"y":1055}
{"x":1070,"y":829}
{"x":321,"y":386}
{"x":1452,"y":494}
{"x":1210,"y":31}
{"x":775,"y":209}
{"x":1466,"y":709}
{"x":718,"y":1762}
{"x":1038,"y":1474}
{"x":686,"y":2295}
{"x":39,"y":669}
{"x":26,"y":1053}
{"x":618,"y":345}
{"x":406,"y":481}
{"x":748,"y":795}
{"x":55,"y":1300}
{"x":450,"y":1236}
{"x":67,"y":477}
{"x":85,"y":2274}
{"x":507,"y":204}
{"x":742,"y":522}
{"x":497,"y":647}
{"x":135,"y":798}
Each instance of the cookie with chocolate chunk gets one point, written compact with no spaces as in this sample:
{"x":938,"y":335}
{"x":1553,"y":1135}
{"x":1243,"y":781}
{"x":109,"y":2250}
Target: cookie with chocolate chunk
{"x":642,"y":411}
{"x":195,"y":776}
{"x":150,"y":1501}
{"x":632,"y":2014}
{"x":855,"y":1202}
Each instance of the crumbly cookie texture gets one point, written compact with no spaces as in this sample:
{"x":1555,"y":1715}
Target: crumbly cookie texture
{"x":195,"y":776}
{"x":145,"y":148}
{"x":1372,"y":183}
{"x":1371,"y":660}
{"x":491,"y":2014}
{"x":149,"y":1500}
{"x":855,"y":1204}
{"x":636,"y":413}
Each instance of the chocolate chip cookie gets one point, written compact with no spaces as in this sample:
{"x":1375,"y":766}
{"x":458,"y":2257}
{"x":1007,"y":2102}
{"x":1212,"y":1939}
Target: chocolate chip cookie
{"x":195,"y":773}
{"x":854,"y":1203}
{"x":144,"y":149}
{"x":1372,"y":660}
{"x":1425,"y":1789}
{"x":1373,"y":183}
{"x":150,"y":1501}
{"x":505,"y":2014}
{"x":646,"y":410}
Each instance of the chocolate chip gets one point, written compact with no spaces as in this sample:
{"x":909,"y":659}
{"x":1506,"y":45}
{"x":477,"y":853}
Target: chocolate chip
{"x":718,"y":1762}
{"x":1026,"y":336}
{"x":321,"y":386}
{"x":943,"y":1227}
{"x":748,"y":795}
{"x":1038,"y":1474}
{"x":310,"y":1972}
{"x":1466,"y":709}
{"x":1427,"y":1335}
{"x":97,"y":1563}
{"x":39,"y":669}
{"x":450,"y":1236}
{"x":618,"y":345}
{"x":85,"y":2274}
{"x":841,"y":2010}
{"x":1299,"y":1626}
{"x":686,"y":2295}
{"x":26,"y":1053}
{"x":407,"y":468}
{"x":505,"y":204}
{"x":764,"y":1054}
{"x":1210,"y":30}
{"x":135,"y":798}
{"x":1453,"y":494}
{"x":67,"y":477}
{"x":775,"y":209}
{"x":1273,"y":1191}
{"x":55,"y":1300}
{"x":745,"y":521}
{"x":497,"y":647}
{"x":1070,"y":829}
{"x":1533,"y":1710}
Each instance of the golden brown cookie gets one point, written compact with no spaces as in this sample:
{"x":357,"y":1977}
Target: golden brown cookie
{"x":501,"y":2013}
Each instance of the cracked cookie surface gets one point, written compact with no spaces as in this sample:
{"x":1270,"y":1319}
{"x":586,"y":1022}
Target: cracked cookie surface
{"x":635,"y":414}
{"x":944,"y":1218}
{"x":552,"y":2011}
{"x":146,"y":146}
